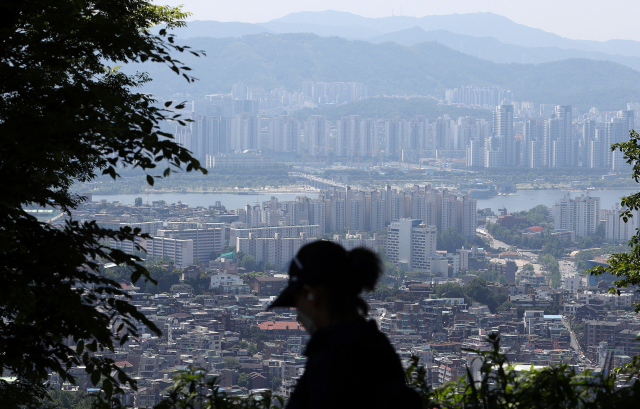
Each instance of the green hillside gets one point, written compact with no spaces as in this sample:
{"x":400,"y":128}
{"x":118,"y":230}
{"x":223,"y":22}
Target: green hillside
{"x":286,"y":60}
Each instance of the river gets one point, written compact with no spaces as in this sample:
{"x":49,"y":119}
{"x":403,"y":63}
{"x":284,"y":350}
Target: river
{"x":526,"y":199}
{"x":229,"y":200}
{"x":523,"y":200}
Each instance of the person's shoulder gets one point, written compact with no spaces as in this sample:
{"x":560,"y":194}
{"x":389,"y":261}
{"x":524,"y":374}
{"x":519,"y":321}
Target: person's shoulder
{"x":373,"y":336}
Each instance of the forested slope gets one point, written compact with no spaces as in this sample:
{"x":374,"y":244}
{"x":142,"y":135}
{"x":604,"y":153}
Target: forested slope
{"x":286,"y":60}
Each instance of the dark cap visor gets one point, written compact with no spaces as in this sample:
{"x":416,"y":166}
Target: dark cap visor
{"x":285,"y":299}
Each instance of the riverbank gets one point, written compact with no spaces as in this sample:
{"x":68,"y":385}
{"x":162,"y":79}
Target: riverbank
{"x":523,"y":200}
{"x":232,"y":191}
{"x":230,"y":200}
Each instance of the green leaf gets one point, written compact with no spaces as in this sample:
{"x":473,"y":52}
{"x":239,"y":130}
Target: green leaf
{"x":122,"y":377}
{"x":95,"y":377}
{"x":107,"y":387}
{"x":150,"y":180}
{"x":60,"y":78}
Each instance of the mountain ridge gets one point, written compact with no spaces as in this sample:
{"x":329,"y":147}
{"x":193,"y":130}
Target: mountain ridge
{"x":491,"y":49}
{"x":485,"y":24}
{"x":286,"y":60}
{"x":486,"y":47}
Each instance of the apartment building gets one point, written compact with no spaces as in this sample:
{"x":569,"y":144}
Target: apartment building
{"x":178,"y":250}
{"x":597,"y":331}
{"x":616,"y":229}
{"x":206,"y":240}
{"x":580,"y":215}
{"x":412,"y":245}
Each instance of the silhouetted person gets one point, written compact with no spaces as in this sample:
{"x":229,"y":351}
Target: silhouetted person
{"x":350,"y":363}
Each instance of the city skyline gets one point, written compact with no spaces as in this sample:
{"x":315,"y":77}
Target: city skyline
{"x":520,"y":134}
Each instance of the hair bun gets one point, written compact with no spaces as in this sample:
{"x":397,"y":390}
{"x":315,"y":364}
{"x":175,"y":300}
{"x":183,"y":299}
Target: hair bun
{"x":366,"y":268}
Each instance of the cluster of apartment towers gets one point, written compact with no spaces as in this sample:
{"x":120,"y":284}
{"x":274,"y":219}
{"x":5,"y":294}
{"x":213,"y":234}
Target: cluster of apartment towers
{"x":352,"y":138}
{"x":551,"y":142}
{"x":414,"y":216}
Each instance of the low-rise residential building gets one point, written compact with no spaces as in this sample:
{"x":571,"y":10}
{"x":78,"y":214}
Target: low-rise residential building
{"x":266,"y":286}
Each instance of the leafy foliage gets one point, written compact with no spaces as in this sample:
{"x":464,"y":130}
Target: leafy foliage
{"x":248,"y":262}
{"x":476,"y":290}
{"x":488,"y":275}
{"x":449,"y":290}
{"x":66,"y":115}
{"x":231,"y":363}
{"x":69,"y":400}
{"x":164,"y":276}
{"x":193,"y":388}
{"x":498,"y":385}
{"x":626,"y":266}
{"x":545,"y":242}
{"x":553,"y":267}
{"x":538,"y":216}
{"x":451,"y":240}
{"x":549,"y":244}
{"x":385,"y":292}
{"x":247,"y":277}
{"x":583,"y":256}
{"x":250,"y":347}
{"x":243,"y":380}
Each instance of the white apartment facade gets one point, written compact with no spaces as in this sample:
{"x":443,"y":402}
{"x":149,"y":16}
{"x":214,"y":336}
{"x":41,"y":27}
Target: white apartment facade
{"x":412,"y":246}
{"x":205,"y":241}
{"x":616,"y":229}
{"x":580,"y":215}
{"x":178,"y":250}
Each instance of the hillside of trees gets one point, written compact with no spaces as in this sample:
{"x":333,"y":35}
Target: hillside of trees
{"x":391,"y":107}
{"x":286,"y":60}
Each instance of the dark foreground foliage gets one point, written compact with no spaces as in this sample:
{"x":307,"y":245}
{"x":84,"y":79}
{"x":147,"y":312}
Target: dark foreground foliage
{"x":499,"y":385}
{"x":67,"y":114}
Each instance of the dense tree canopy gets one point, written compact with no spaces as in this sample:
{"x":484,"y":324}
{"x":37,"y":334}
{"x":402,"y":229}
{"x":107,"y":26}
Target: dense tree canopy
{"x":66,"y":115}
{"x":478,"y":290}
{"x":451,"y":240}
{"x":393,"y":107}
{"x":449,"y":290}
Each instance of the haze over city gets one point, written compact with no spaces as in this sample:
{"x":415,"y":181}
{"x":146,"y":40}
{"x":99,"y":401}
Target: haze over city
{"x":319,"y":204}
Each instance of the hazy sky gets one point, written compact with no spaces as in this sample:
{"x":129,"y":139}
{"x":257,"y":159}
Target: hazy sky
{"x":578,"y":19}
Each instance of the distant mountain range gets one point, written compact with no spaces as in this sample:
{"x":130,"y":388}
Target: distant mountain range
{"x":286,"y":60}
{"x":473,"y":24}
{"x":483,"y":35}
{"x":491,"y":49}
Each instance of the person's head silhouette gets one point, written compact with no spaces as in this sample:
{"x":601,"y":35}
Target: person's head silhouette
{"x":325,"y":283}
